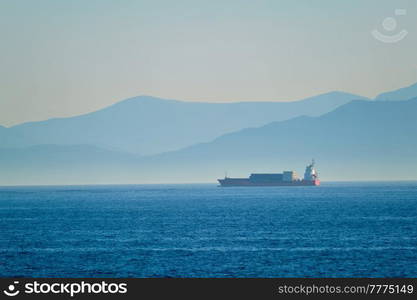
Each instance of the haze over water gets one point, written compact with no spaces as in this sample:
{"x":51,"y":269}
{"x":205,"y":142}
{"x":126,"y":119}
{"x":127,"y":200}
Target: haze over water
{"x":335,"y":230}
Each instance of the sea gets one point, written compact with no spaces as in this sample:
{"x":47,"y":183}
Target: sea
{"x":339,"y":229}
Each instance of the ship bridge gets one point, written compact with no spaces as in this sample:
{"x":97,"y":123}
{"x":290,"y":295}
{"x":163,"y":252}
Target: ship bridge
{"x":310,"y":172}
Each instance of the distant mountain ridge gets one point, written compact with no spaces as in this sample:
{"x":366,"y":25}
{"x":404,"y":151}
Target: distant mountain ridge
{"x":361,"y":140}
{"x":404,"y":93}
{"x":148,"y":125}
{"x":197,"y":142}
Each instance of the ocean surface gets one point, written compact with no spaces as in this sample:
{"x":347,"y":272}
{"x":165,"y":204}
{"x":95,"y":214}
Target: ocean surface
{"x":335,"y":230}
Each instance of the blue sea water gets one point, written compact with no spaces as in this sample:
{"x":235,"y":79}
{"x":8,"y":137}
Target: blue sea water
{"x":335,"y":230}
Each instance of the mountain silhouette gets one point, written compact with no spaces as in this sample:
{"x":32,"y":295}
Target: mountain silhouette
{"x":361,"y":140}
{"x":148,"y":125}
{"x":405,"y":93}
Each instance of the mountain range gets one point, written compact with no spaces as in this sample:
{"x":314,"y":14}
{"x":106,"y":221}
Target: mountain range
{"x":360,"y":140}
{"x":147,"y":125}
{"x":404,"y":93}
{"x":350,"y":140}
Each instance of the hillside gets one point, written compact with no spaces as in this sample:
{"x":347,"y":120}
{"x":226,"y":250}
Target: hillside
{"x":361,"y":140}
{"x":147,"y":125}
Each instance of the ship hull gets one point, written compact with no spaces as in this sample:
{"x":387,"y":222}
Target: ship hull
{"x":230,"y":182}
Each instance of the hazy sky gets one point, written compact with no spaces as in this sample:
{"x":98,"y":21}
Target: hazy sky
{"x":61,"y":58}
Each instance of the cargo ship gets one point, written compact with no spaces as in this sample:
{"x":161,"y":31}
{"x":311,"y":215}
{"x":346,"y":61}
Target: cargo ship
{"x":286,"y":178}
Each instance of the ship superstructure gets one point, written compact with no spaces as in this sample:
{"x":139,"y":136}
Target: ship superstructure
{"x":286,"y":178}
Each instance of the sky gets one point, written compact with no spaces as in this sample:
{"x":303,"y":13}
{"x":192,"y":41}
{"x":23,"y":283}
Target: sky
{"x":63,"y":58}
